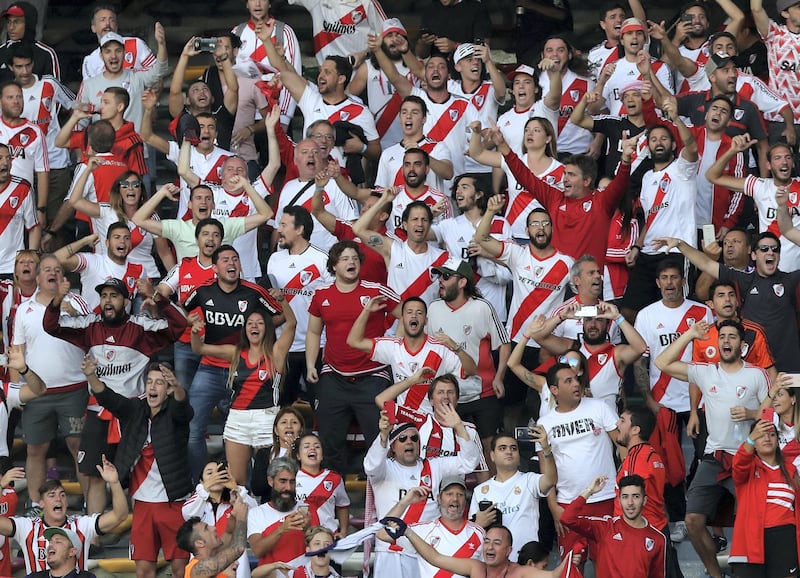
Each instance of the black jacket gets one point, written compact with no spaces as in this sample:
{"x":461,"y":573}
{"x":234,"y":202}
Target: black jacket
{"x":169,"y":430}
{"x":45,"y":60}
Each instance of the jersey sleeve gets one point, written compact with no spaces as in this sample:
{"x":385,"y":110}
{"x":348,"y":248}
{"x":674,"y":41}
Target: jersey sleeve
{"x":383,"y":350}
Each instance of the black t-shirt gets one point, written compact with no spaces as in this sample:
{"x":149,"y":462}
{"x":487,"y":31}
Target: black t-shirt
{"x":615,"y":129}
{"x":753,"y":61}
{"x":745,"y":118}
{"x":464,"y":22}
{"x":771,"y":302}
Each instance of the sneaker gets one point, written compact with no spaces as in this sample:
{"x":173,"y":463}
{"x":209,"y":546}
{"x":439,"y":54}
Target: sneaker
{"x":721,"y":542}
{"x":679,"y":533}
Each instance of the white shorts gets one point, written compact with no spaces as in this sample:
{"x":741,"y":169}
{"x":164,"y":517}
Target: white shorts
{"x":250,"y":427}
{"x":395,"y":564}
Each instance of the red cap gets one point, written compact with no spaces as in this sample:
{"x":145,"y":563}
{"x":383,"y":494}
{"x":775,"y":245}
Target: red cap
{"x":13,"y":10}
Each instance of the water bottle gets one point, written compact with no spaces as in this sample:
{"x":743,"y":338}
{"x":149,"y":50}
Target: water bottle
{"x":741,"y":430}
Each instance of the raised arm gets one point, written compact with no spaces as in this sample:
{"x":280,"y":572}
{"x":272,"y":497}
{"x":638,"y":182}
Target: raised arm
{"x":62,"y":138}
{"x":699,"y":259}
{"x":231,"y":97}
{"x":739,"y":143}
{"x":146,"y":128}
{"x":530,"y":379}
{"x":176,"y":96}
{"x":396,"y":389}
{"x":671,"y":55}
{"x":355,"y":338}
{"x":483,"y":233}
{"x":689,"y":151}
{"x":67,"y":255}
{"x":143,"y":217}
{"x":34,"y":386}
{"x":199,"y":346}
{"x":217,"y":563}
{"x":760,"y":17}
{"x":734,"y":14}
{"x":541,"y":330}
{"x":669,"y":360}
{"x":326,"y":218}
{"x":184,"y":165}
{"x":400,"y":82}
{"x":76,"y":199}
{"x":119,"y":501}
{"x":271,"y":121}
{"x":380,"y":243}
{"x":478,"y":151}
{"x":579,"y":116}
{"x":293,"y":82}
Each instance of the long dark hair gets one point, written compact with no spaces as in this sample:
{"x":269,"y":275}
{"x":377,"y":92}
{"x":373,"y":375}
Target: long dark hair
{"x":266,"y":345}
{"x":115,"y":196}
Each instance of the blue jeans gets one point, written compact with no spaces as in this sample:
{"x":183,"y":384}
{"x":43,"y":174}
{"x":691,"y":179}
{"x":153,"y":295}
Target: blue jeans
{"x":208,"y":388}
{"x":186,"y":363}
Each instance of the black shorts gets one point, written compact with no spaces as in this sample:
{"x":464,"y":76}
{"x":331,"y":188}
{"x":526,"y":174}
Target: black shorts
{"x":641,"y":290}
{"x":94,"y":443}
{"x":486,"y":413}
{"x":780,"y":555}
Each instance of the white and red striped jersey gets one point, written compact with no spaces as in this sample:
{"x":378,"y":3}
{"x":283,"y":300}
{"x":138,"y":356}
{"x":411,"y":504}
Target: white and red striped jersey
{"x":341,"y":28}
{"x":208,"y":169}
{"x":315,"y":108}
{"x":390,"y":165}
{"x":447,"y":122}
{"x":226,"y":206}
{"x":298,"y":276}
{"x":512,"y":123}
{"x":601,"y":55}
{"x":571,"y":138}
{"x":483,"y":105}
{"x":253,"y":50}
{"x":752,"y":88}
{"x":660,"y":325}
{"x":467,"y":542}
{"x":100,"y":181}
{"x":668,"y":201}
{"x":42,"y":102}
{"x":605,"y":380}
{"x":409,"y":273}
{"x":29,"y":534}
{"x":146,"y":484}
{"x":336,"y":202}
{"x":433,"y":353}
{"x":138,"y":56}
{"x":625,"y":73}
{"x":573,"y":328}
{"x":763,"y":193}
{"x":56,"y":361}
{"x":290,"y":548}
{"x":438,"y":441}
{"x":520,"y":201}
{"x":17,"y":215}
{"x":384,"y":101}
{"x":697,"y":55}
{"x":476,"y":327}
{"x":28,"y":148}
{"x":538,"y":285}
{"x":183,"y":279}
{"x":95,"y":269}
{"x":390,"y":481}
{"x":322,"y":493}
{"x":455,"y":236}
{"x":783,"y":53}
{"x":429,"y":195}
{"x":141,"y":240}
{"x":620,"y":243}
{"x":10,"y":299}
{"x":217,"y":515}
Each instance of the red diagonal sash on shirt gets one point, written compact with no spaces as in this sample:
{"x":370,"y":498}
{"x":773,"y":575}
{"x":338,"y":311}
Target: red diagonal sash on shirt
{"x":467,"y":550}
{"x":427,"y":146}
{"x":663,"y":185}
{"x":521,"y":201}
{"x":12,"y":204}
{"x":323,"y":38}
{"x":695,"y":314}
{"x":346,"y":113}
{"x":388,"y":113}
{"x":538,"y":296}
{"x":414,"y":512}
{"x":421,"y":283}
{"x":300,"y":280}
{"x":319,"y":496}
{"x":448,"y":120}
{"x":419,"y":391}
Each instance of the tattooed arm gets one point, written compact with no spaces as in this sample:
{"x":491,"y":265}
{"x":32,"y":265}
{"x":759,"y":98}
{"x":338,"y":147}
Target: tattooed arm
{"x":482,"y":236}
{"x":380,"y":243}
{"x":210,"y":567}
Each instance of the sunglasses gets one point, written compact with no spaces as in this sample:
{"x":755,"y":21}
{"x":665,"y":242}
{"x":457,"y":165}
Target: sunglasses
{"x":446,"y":276}
{"x":571,"y":361}
{"x":130,"y":184}
{"x":403,"y":437}
{"x":768,"y":248}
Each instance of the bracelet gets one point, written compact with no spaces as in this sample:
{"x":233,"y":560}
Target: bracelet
{"x":637,"y":247}
{"x":547,"y":455}
{"x":70,"y":250}
{"x":619,"y":320}
{"x":250,"y":128}
{"x":42,"y":209}
{"x":318,"y":188}
{"x":27,"y":369}
{"x":750,"y":441}
{"x":458,"y":348}
{"x":363,"y":148}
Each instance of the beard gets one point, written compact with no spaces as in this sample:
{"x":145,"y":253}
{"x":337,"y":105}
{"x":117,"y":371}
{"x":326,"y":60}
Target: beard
{"x":283,"y":503}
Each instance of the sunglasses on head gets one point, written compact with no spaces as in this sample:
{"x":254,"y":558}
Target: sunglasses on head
{"x":403,"y":437}
{"x":768,"y":248}
{"x":571,"y":361}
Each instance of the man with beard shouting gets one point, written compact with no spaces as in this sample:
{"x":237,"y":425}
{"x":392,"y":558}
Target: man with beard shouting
{"x":276,"y":529}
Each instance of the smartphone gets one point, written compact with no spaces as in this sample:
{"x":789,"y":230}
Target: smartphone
{"x":484,"y":505}
{"x":303,"y":508}
{"x":479,"y":42}
{"x":709,"y":235}
{"x":205,"y":44}
{"x":687,"y":18}
{"x":587,"y":311}
{"x":523,"y":434}
{"x":390,"y":407}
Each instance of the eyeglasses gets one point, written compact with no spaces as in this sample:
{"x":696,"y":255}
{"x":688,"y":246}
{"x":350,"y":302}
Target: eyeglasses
{"x":542,"y":224}
{"x":403,"y":437}
{"x":571,"y":361}
{"x":319,"y":135}
{"x":768,"y":248}
{"x":130,"y":184}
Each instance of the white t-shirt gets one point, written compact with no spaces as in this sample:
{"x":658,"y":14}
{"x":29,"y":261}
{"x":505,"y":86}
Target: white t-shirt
{"x":17,"y":215}
{"x":627,"y":72}
{"x":409,"y":273}
{"x":95,"y":269}
{"x":384,"y":101}
{"x":467,"y":542}
{"x":29,"y":535}
{"x":518,"y":500}
{"x":226,"y":206}
{"x":512,"y":123}
{"x":141,"y":240}
{"x":582,"y":448}
{"x":314,"y":108}
{"x":42,"y":103}
{"x":208,"y":169}
{"x":520,"y":201}
{"x":763,"y":193}
{"x":28,"y":149}
{"x":722,"y":391}
{"x":659,"y":326}
{"x":390,"y":165}
{"x":323,"y":493}
{"x":483,"y":105}
{"x":430,"y":196}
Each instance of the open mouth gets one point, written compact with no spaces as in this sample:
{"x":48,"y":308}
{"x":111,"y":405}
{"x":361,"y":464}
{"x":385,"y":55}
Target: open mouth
{"x":231,"y":270}
{"x":413,"y":324}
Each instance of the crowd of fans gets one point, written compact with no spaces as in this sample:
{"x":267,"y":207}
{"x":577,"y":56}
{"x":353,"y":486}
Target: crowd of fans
{"x":461,"y":277}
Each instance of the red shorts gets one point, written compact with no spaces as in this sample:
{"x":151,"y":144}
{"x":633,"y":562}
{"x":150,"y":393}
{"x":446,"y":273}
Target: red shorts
{"x":155,"y":526}
{"x":575,"y":541}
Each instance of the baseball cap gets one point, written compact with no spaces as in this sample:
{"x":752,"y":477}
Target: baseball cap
{"x":634,"y":85}
{"x":463,"y":51}
{"x":457,"y":266}
{"x":450,"y":480}
{"x":69,"y":534}
{"x":522,"y":69}
{"x":718,"y":60}
{"x":13,"y":10}
{"x":394,"y":25}
{"x":117,"y":284}
{"x":111,"y":37}
{"x":631,"y":25}
{"x":780,"y":4}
